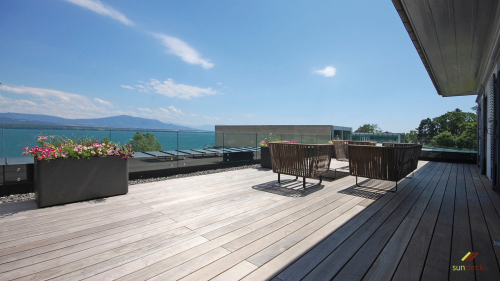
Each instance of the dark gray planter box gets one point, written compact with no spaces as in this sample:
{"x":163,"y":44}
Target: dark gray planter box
{"x":64,"y":181}
{"x":265,"y":158}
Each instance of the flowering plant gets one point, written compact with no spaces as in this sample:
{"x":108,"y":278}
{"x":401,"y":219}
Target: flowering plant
{"x":335,"y":139}
{"x":53,"y":147}
{"x":265,"y":142}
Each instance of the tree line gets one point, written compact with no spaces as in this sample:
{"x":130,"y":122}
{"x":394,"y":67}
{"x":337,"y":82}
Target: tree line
{"x":454,"y":129}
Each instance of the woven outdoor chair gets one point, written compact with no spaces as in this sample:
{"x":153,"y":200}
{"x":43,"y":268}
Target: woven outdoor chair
{"x":301,"y":160}
{"x":342,"y":150}
{"x":392,"y":162}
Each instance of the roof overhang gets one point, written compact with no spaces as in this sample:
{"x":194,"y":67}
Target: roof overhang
{"x":456,"y":40}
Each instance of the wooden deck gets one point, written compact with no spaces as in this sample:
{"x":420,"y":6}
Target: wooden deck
{"x":242,"y":225}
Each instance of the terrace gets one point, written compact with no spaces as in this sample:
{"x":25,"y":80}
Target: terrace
{"x":243,"y":225}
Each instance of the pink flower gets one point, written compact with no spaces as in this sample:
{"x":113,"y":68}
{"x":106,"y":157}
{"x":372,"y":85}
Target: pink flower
{"x":96,"y":144}
{"x":39,"y":158}
{"x":26,"y":148}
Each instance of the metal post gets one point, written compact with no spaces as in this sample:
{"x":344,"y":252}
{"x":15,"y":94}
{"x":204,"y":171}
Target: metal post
{"x":177,"y":149}
{"x":304,"y":183}
{"x":279,"y":179}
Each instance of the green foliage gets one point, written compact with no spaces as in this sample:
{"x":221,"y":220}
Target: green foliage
{"x":444,"y":139}
{"x":411,"y":137}
{"x":145,"y":142}
{"x":461,"y":126}
{"x":468,"y":138}
{"x":369,"y":128}
{"x":426,"y":130}
{"x":454,"y":122}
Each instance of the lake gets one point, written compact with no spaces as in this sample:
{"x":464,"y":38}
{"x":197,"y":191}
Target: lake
{"x":14,"y":140}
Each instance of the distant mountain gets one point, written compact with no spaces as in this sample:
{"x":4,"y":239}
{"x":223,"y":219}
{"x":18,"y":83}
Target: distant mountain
{"x":205,"y":127}
{"x":122,"y":121}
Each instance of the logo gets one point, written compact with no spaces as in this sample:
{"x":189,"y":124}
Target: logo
{"x":469,"y":257}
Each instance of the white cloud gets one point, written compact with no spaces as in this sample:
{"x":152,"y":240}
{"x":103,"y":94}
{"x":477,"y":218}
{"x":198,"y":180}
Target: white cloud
{"x":128,"y":87}
{"x":248,"y":115}
{"x":50,"y":102}
{"x":107,"y":103}
{"x":175,"y":111}
{"x":42,"y":93}
{"x":193,"y":115}
{"x":180,"y":48}
{"x":100,"y":8}
{"x":170,"y":89}
{"x":219,"y":83}
{"x":328,"y":71}
{"x":163,"y":114}
{"x":210,"y":118}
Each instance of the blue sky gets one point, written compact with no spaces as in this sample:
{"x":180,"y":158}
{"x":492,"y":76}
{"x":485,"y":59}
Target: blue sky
{"x":194,"y":63}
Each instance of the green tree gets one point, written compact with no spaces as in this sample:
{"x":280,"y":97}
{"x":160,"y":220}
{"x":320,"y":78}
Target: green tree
{"x":426,"y":131}
{"x":411,"y":137}
{"x":453,"y":122}
{"x":444,"y":139}
{"x":468,"y":139}
{"x":145,"y":142}
{"x":369,"y":128}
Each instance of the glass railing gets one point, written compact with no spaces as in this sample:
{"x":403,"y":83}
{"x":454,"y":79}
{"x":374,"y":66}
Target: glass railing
{"x":447,"y":143}
{"x":378,"y":137}
{"x":161,"y":149}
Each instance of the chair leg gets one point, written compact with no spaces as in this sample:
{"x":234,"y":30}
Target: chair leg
{"x":279,"y":178}
{"x":396,"y":187}
{"x":357,"y":181}
{"x":296,"y":177}
{"x":320,"y":179}
{"x":304,"y":183}
{"x":335,"y":173}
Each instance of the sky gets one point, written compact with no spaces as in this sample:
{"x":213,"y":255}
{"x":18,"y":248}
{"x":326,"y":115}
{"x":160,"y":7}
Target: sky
{"x":193,"y":63}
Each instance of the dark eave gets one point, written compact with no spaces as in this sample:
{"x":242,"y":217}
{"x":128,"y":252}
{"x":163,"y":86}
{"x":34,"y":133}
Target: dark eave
{"x":451,"y":38}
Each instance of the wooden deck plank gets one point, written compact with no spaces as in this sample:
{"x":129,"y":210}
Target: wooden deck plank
{"x":302,"y":266}
{"x":412,"y":208}
{"x":387,"y":262}
{"x":287,"y":242}
{"x":289,"y":208}
{"x":236,"y":273}
{"x":433,"y":236}
{"x":494,"y":197}
{"x":162,"y":265}
{"x":277,"y":264}
{"x":490,"y":215}
{"x":270,"y":238}
{"x":78,"y":227}
{"x":69,"y":263}
{"x":186,"y":268}
{"x":96,"y":242}
{"x":242,"y":225}
{"x":78,"y":208}
{"x":110,"y":271}
{"x":461,"y":242}
{"x":481,"y":240}
{"x":336,"y":259}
